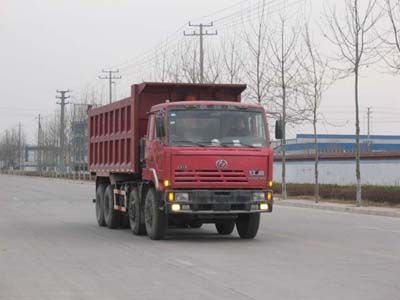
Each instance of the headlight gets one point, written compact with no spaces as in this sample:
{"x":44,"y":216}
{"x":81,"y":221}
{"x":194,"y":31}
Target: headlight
{"x":258,"y":196}
{"x":175,"y":207}
{"x":182,"y":197}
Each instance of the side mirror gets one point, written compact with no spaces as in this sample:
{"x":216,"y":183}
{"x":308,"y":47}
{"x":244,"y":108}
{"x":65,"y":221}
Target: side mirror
{"x":160,"y":129}
{"x":278,"y":130}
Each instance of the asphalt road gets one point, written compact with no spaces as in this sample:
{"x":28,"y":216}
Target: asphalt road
{"x":52,"y":248}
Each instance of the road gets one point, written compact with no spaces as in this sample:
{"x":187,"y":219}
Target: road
{"x":52,"y":248}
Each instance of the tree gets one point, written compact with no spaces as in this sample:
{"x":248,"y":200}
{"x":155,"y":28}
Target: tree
{"x":352,"y":36}
{"x":255,"y":64}
{"x":284,"y":63}
{"x":392,"y":39}
{"x":314,"y":73}
{"x":231,"y":60}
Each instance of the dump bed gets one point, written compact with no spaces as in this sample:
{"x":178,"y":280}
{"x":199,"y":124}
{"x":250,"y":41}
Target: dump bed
{"x":115,"y":129}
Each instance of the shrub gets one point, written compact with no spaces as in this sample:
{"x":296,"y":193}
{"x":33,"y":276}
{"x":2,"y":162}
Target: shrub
{"x":370,"y":193}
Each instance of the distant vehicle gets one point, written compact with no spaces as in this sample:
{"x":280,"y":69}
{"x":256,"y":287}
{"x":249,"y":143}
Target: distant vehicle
{"x":181,"y":155}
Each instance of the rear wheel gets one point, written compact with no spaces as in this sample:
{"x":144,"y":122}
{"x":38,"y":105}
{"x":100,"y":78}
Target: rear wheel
{"x":111,"y":216}
{"x":247,"y":225}
{"x":135,"y":215}
{"x":99,"y":205}
{"x":225,"y":228}
{"x":155,"y":219}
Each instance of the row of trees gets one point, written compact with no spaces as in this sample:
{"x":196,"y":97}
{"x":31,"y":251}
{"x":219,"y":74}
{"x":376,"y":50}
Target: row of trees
{"x":13,"y":145}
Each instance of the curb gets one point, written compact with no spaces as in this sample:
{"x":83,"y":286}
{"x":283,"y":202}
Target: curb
{"x":353,"y":210}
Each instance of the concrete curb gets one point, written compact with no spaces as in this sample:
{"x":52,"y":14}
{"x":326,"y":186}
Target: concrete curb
{"x":347,"y":209}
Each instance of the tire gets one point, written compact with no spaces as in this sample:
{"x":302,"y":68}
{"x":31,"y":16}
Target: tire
{"x":155,"y":220}
{"x":99,"y":205}
{"x":111,"y":216}
{"x":136,"y":218}
{"x":247,"y":225}
{"x":225,"y":228}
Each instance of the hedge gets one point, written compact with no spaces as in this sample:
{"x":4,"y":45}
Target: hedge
{"x":371,"y":193}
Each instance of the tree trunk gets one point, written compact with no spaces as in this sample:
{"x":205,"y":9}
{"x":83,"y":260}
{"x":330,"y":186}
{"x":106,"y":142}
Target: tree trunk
{"x":284,"y":191}
{"x":316,"y":184}
{"x":358,"y":172}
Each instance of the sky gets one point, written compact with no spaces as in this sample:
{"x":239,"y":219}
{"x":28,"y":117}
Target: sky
{"x":55,"y":44}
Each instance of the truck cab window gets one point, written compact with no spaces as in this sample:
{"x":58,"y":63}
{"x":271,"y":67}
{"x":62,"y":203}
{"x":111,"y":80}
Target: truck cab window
{"x":150,"y":128}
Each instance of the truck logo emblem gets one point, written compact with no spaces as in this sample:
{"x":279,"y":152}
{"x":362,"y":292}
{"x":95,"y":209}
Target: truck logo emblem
{"x":221,"y":164}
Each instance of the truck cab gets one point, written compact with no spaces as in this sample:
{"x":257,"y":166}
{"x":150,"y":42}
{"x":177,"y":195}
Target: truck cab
{"x":203,"y":157}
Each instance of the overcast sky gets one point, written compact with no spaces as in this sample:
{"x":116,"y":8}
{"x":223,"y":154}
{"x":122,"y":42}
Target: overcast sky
{"x":55,"y":44}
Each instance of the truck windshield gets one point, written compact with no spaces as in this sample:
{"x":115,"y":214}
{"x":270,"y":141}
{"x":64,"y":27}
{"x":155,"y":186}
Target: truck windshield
{"x":216,"y":127}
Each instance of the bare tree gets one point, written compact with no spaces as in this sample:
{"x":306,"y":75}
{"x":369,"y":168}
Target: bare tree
{"x":255,"y":64}
{"x":286,"y":82}
{"x":188,"y":62}
{"x":11,"y":145}
{"x":314,"y":72}
{"x":212,"y":72}
{"x":232,"y":63}
{"x":356,"y":49}
{"x":392,"y":39}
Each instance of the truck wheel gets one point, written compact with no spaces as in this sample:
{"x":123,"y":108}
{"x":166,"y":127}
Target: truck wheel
{"x":225,"y":228}
{"x":247,"y":225}
{"x":99,"y":205}
{"x":155,"y":219}
{"x":135,"y":217}
{"x":111,"y":216}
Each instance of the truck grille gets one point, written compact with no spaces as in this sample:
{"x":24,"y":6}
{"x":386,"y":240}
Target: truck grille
{"x":188,"y":176}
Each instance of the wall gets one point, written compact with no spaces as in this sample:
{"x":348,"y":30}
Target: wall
{"x":342,"y":172}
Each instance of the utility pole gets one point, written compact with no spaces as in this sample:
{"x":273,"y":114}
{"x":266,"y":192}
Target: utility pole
{"x":19,"y":147}
{"x":201,"y":34}
{"x":110,"y":77}
{"x":369,"y":112}
{"x":39,"y":145}
{"x":62,"y":103}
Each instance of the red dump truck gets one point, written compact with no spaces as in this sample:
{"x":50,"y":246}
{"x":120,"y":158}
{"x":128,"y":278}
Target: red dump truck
{"x":181,"y":155}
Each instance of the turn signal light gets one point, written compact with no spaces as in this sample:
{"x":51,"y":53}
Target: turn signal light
{"x":269,"y":196}
{"x":167,"y":183}
{"x":171,"y":196}
{"x":270,"y":183}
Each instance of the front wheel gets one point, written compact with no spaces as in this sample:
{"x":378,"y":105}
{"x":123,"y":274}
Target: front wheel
{"x":247,"y":225}
{"x":225,"y":228}
{"x":155,"y":219}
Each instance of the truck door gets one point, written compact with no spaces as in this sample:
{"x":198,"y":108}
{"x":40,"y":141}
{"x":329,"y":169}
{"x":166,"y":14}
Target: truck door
{"x":154,"y":145}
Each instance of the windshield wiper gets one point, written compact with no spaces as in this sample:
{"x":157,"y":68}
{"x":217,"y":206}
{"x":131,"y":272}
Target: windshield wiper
{"x":190,"y":142}
{"x":239,"y":144}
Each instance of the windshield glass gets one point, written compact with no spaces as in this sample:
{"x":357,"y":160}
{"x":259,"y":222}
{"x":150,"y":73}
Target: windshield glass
{"x":216,"y":127}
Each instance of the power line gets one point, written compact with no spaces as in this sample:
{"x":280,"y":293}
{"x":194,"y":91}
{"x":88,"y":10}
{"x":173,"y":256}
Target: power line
{"x":110,"y":77}
{"x":62,"y":103}
{"x":201,"y":35}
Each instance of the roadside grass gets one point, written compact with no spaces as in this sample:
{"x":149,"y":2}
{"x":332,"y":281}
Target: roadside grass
{"x":376,"y":195}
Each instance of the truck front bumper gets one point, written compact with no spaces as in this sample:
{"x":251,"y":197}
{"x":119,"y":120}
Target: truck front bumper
{"x":218,"y":201}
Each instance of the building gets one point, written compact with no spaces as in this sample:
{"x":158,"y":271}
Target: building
{"x":339,"y":143}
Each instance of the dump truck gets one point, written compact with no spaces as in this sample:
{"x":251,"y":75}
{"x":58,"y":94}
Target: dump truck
{"x":181,"y":155}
